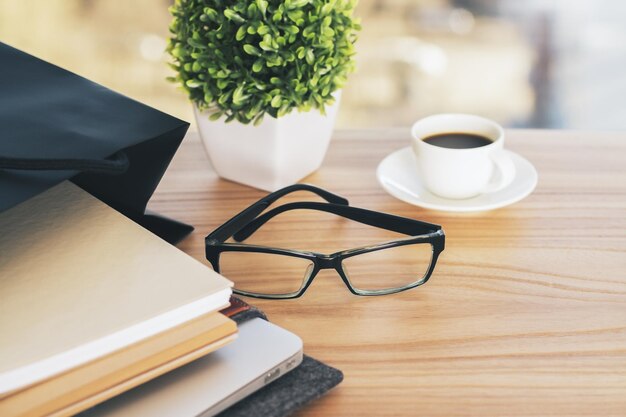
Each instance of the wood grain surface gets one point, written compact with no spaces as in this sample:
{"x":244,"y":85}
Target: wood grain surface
{"x":525,"y":314}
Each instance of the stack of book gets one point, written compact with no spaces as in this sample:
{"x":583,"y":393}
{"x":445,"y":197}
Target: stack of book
{"x":91,"y":305}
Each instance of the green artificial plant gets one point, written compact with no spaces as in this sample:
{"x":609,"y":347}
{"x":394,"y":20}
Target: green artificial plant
{"x":242,"y":59}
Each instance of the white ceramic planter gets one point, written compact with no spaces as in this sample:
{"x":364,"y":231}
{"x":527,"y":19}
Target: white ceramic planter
{"x":276,"y":153}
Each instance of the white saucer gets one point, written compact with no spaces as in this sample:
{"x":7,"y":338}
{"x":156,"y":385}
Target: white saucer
{"x":398,"y":175}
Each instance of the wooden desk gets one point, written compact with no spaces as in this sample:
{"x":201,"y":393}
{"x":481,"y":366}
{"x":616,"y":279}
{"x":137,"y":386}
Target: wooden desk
{"x":524,"y":315}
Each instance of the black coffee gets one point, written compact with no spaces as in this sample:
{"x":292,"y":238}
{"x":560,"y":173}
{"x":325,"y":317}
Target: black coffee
{"x":458,"y":140}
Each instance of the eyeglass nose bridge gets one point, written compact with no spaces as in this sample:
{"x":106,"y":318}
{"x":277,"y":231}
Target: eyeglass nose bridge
{"x":327,"y":261}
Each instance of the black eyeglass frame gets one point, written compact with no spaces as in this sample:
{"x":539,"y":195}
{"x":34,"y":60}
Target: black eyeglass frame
{"x":245,"y":223}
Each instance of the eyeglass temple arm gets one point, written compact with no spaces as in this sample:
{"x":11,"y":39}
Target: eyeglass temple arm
{"x":326,"y":195}
{"x":373,"y":218}
{"x":226,"y":230}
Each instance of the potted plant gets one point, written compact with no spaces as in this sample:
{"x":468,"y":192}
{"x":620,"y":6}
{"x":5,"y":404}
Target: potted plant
{"x":264,"y":77}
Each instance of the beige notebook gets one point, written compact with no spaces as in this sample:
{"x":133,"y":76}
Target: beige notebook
{"x":78,"y":280}
{"x":107,"y":374}
{"x":141,"y":378}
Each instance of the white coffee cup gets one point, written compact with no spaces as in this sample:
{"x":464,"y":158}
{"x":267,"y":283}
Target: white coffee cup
{"x":461,"y":173}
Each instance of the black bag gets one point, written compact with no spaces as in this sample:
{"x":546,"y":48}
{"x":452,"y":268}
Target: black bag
{"x":56,"y":125}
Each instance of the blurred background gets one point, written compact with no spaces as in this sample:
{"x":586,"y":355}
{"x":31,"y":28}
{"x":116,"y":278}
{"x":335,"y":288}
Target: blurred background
{"x":532,"y":63}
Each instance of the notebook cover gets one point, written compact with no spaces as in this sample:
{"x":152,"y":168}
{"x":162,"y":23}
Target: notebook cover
{"x":98,"y":376}
{"x":287,"y":394}
{"x":68,"y":257}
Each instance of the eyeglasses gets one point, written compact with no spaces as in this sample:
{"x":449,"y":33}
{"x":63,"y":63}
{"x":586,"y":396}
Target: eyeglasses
{"x":379,"y":269}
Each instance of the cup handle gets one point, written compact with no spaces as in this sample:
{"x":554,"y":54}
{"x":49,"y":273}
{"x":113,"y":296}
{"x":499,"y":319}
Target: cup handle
{"x":504,"y":164}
